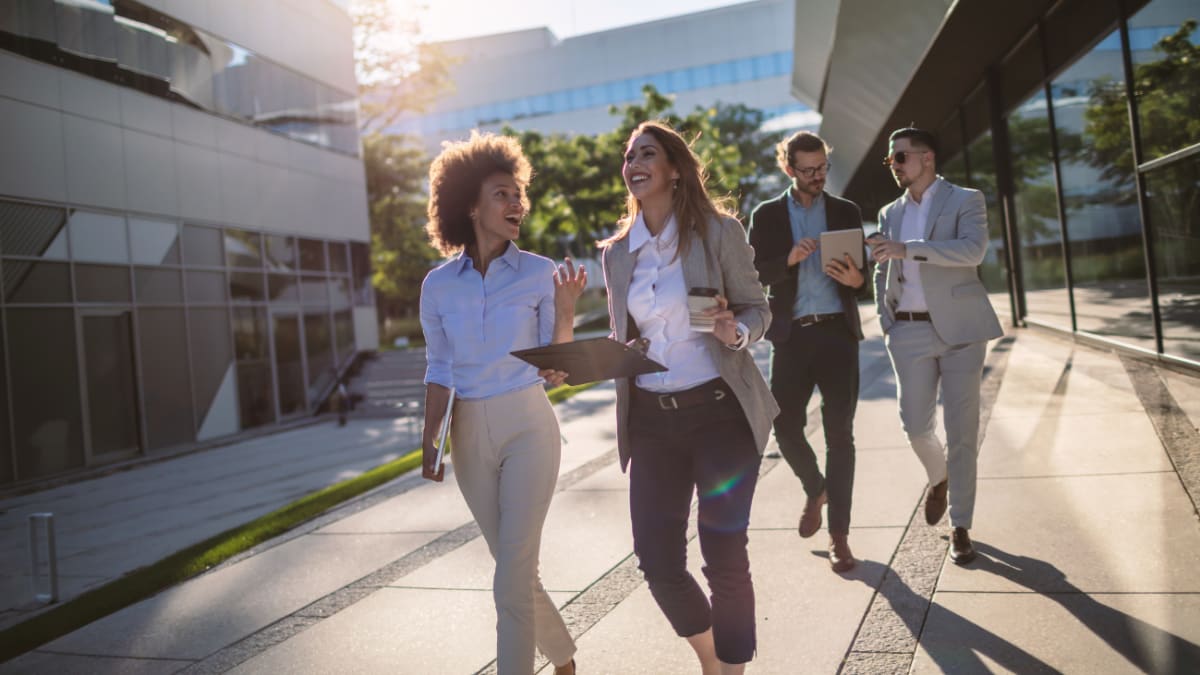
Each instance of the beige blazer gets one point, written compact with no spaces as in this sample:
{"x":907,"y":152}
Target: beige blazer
{"x":725,"y":261}
{"x":956,"y":238}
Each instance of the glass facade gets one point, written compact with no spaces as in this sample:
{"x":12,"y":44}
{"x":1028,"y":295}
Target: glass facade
{"x":616,"y":92}
{"x":124,"y":336}
{"x":1104,"y":158}
{"x":133,"y":45}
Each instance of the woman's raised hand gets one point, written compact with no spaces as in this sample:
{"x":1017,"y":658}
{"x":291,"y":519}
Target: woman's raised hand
{"x":569,"y":282}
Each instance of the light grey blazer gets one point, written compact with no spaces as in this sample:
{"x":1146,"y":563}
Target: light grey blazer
{"x":956,"y":238}
{"x":725,"y":261}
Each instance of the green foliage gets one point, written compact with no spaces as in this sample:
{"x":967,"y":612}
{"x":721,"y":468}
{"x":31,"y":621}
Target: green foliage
{"x":396,"y":168}
{"x":1167,"y":92}
{"x":577,"y":193}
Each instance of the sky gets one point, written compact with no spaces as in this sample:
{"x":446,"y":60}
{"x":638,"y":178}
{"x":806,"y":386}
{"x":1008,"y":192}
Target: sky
{"x":453,"y":19}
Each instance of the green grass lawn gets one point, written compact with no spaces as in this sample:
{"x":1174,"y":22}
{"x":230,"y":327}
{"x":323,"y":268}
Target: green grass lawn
{"x":145,"y":582}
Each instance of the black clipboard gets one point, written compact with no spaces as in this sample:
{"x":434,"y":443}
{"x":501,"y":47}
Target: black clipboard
{"x":591,"y":360}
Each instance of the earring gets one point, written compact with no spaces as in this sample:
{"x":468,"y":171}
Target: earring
{"x":674,"y":183}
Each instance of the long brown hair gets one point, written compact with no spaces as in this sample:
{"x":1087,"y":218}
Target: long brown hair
{"x":691,"y":203}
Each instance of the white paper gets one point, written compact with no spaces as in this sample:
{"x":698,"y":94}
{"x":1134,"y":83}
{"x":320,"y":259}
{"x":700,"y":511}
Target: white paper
{"x":443,"y":435}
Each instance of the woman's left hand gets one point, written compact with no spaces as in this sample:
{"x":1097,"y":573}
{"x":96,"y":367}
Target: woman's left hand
{"x":553,"y":378}
{"x":569,"y":282}
{"x":725,"y":323}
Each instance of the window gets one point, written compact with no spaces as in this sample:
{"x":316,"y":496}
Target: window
{"x":202,"y":246}
{"x":1102,"y":217}
{"x":131,"y":44}
{"x":98,"y":237}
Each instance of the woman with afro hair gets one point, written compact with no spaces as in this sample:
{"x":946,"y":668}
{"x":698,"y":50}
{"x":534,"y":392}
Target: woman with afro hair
{"x":490,"y":299}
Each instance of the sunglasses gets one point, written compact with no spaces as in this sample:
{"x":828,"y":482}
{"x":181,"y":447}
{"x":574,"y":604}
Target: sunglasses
{"x":901,"y":156}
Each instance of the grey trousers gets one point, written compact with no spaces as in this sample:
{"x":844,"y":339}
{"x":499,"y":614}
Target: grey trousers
{"x":506,"y":452}
{"x":921,"y":359}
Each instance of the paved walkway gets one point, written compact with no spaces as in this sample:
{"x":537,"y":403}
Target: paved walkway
{"x":1086,"y":523}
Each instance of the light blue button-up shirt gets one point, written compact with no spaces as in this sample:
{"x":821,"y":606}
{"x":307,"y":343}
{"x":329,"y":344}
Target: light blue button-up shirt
{"x":816,"y":292}
{"x":472,"y":322}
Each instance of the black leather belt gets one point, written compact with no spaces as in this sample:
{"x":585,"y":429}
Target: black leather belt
{"x":810,"y":319}
{"x":709,"y":392}
{"x":912,"y":316}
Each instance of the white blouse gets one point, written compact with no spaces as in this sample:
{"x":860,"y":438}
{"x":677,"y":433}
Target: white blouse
{"x":658,"y":304}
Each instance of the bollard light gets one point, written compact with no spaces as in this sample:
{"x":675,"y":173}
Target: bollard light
{"x":43,"y":557}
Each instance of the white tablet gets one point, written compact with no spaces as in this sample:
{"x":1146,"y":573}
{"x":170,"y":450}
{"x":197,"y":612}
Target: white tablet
{"x":838,"y":243}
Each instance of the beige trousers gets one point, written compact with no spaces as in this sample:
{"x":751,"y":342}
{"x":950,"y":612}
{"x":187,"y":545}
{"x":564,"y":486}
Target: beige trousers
{"x":506,"y":452}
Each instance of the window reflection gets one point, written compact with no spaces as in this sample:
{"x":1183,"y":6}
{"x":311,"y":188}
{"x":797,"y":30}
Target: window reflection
{"x":1036,"y":202}
{"x":31,"y":230}
{"x":1173,"y":195}
{"x":1100,"y":199}
{"x":256,"y":394}
{"x":994,"y":269}
{"x":134,"y":45}
{"x":98,"y":237}
{"x":1166,"y":70}
{"x":154,"y":242}
{"x":243,"y":249}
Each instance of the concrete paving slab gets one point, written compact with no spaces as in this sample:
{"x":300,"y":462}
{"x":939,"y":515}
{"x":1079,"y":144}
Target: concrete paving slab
{"x":65,"y":664}
{"x":1073,"y":633}
{"x":1092,"y":382}
{"x":806,"y":614}
{"x":1058,"y":445}
{"x":591,"y":521}
{"x":1128,"y":533}
{"x":609,"y":478}
{"x":394,"y":630}
{"x":431,"y":507}
{"x":194,"y":619}
{"x":1185,"y":389}
{"x":887,"y":484}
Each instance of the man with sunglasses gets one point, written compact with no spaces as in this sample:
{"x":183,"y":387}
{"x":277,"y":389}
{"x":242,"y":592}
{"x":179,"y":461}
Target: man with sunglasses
{"x":814,"y":332}
{"x":937,"y":320}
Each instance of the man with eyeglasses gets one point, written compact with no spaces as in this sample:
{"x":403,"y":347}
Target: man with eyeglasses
{"x":814,"y":332}
{"x":937,"y":320}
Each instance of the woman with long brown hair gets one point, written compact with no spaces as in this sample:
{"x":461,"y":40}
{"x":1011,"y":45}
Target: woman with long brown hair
{"x":701,"y":426}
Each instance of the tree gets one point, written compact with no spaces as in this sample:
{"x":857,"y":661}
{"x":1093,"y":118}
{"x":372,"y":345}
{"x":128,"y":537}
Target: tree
{"x":1167,"y":93}
{"x":397,"y":73}
{"x":396,"y":169}
{"x":577,"y":193}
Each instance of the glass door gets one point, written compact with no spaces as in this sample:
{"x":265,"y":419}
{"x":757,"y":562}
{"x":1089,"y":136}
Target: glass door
{"x":110,"y":384}
{"x":289,"y":363}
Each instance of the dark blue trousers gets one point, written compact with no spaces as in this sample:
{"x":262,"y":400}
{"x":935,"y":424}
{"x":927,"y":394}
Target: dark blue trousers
{"x":707,"y":449}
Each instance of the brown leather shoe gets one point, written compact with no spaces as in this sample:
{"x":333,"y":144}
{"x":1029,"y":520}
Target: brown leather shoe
{"x":810,"y":518}
{"x":935,"y":502}
{"x":840,"y":557}
{"x":961,"y":549}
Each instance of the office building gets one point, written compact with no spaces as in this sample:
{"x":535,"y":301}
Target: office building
{"x":183,"y":224}
{"x":531,"y":79}
{"x":1077,"y":120}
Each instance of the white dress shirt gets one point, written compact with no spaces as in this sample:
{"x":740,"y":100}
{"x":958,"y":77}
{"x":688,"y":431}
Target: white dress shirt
{"x":912,"y":228}
{"x":658,"y":304}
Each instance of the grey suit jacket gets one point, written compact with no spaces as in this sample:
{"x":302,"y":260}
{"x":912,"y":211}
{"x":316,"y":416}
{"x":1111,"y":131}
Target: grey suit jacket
{"x":723,"y":261}
{"x":955,"y":241}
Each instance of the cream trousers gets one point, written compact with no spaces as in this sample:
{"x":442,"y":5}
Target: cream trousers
{"x":506,"y":451}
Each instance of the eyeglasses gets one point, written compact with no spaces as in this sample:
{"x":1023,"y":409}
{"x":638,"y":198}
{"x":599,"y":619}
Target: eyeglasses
{"x":901,"y":156}
{"x":811,"y":171}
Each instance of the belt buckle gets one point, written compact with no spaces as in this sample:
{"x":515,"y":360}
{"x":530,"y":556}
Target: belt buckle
{"x":664,"y":399}
{"x":806,"y":321}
